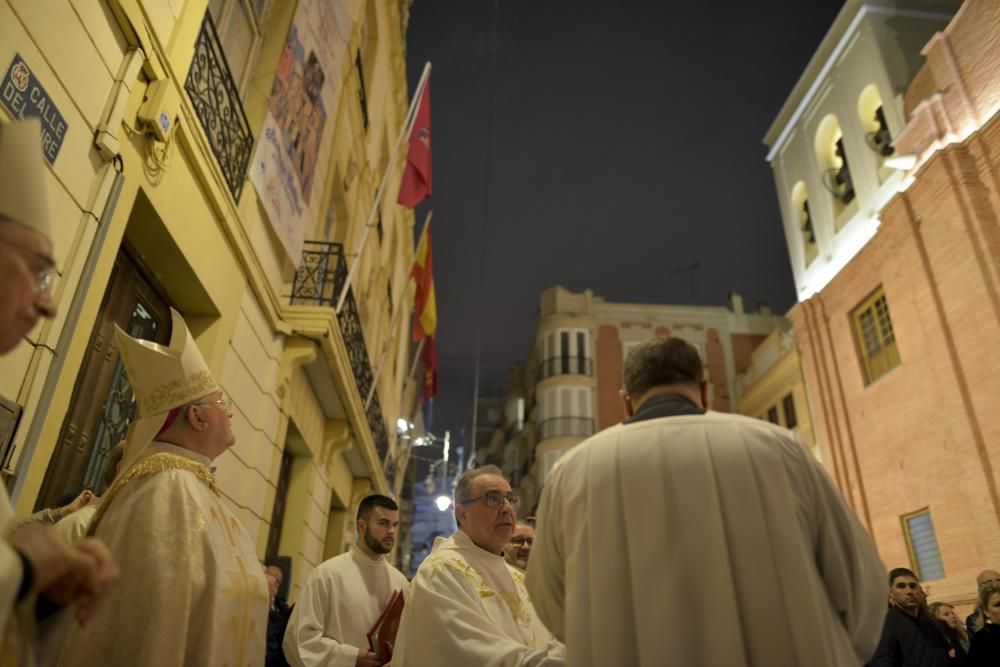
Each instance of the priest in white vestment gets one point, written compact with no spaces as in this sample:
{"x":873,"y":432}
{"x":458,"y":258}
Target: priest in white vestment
{"x":690,"y":538}
{"x":344,"y":596}
{"x":192,"y":590}
{"x":467,"y":605}
{"x":35,"y":563}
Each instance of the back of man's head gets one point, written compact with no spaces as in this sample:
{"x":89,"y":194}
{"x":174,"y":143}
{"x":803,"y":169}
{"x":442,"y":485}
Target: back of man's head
{"x":897,"y":572}
{"x":662,"y":362}
{"x":987,"y":577}
{"x":373,"y":501}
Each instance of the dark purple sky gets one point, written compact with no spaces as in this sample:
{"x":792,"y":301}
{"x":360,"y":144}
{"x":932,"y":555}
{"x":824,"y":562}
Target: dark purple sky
{"x":626,"y":143}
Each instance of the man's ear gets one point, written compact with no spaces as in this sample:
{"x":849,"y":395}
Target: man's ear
{"x":626,"y":403}
{"x":359,"y":526}
{"x":193,"y":417}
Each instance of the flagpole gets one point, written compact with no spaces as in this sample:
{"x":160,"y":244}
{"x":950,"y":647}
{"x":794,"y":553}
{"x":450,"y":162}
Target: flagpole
{"x":395,"y":319}
{"x":408,"y":121}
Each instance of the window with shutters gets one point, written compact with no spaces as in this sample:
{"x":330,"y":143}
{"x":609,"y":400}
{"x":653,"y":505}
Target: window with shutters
{"x":875,"y":337}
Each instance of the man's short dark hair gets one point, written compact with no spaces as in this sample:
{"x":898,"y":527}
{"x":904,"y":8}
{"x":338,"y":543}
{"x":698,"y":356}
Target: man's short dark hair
{"x":898,"y":572}
{"x":373,"y":501}
{"x":662,"y":361}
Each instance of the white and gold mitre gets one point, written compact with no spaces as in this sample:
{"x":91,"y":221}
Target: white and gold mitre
{"x":162,"y":378}
{"x":23,"y":196}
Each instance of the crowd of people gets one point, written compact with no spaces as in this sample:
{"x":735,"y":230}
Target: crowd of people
{"x":681,"y":536}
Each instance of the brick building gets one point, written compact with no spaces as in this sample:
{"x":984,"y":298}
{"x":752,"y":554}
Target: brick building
{"x":568,"y":389}
{"x":899,"y":326}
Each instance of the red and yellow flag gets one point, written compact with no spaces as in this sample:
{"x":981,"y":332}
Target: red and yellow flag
{"x":425,"y":306}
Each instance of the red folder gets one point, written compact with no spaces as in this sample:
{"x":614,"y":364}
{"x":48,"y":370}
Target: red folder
{"x":382,"y":635}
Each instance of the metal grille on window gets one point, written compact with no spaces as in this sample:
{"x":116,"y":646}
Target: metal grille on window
{"x":216,"y":100}
{"x":924,"y":546}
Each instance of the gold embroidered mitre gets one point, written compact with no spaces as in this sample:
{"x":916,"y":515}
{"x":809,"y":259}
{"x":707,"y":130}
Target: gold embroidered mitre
{"x":162,"y":378}
{"x":23,"y":195}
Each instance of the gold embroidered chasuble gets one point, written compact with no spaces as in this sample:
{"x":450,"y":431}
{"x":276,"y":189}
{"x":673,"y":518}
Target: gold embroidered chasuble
{"x":191,"y":591}
{"x":467,"y":606}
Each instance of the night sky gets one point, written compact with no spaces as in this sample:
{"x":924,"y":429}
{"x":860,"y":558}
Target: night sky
{"x":626,"y":144}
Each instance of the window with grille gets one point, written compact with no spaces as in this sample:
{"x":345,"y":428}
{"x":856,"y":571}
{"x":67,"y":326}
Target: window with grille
{"x":922,"y":543}
{"x":876,"y":341}
{"x":788,"y":404}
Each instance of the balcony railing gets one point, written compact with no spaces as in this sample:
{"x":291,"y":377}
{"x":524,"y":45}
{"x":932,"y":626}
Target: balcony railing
{"x":565,"y":366}
{"x":318,"y":282}
{"x":555,"y":427}
{"x":217,"y":103}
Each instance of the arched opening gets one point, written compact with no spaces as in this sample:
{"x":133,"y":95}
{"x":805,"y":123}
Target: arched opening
{"x":804,"y":220}
{"x":872,"y":116}
{"x":832,"y":159}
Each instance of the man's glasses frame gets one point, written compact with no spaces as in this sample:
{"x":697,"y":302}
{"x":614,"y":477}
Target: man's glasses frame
{"x":495,"y":499}
{"x":43,"y":277}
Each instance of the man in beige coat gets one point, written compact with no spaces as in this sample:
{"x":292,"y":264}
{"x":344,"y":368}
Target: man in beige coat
{"x":690,"y":538}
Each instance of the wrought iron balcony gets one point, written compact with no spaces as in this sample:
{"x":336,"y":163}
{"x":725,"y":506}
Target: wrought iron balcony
{"x":565,"y":366}
{"x":581,"y":427}
{"x":318,"y":282}
{"x":217,"y":103}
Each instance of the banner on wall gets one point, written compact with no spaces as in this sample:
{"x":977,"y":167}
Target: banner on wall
{"x":296,"y":138}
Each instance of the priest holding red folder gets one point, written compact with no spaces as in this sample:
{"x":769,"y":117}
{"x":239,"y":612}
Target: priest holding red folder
{"x":349,"y":596}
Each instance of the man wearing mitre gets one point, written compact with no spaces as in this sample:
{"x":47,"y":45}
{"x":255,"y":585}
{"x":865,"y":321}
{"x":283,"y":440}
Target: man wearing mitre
{"x":192,"y":591}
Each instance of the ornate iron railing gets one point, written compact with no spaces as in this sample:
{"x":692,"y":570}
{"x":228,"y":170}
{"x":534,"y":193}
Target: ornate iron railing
{"x":318,"y":281}
{"x":217,"y":102}
{"x":581,"y":427}
{"x":565,"y":366}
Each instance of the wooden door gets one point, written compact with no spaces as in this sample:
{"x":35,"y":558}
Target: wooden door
{"x":103,"y":406}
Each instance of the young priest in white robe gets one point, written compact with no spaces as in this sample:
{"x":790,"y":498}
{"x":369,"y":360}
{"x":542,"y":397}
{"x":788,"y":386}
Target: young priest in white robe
{"x":686,"y":537}
{"x":467,"y":605}
{"x":344,"y":596}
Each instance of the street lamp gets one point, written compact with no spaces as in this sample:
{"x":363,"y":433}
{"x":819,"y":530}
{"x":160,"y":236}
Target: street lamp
{"x":443,"y":501}
{"x":404,"y":428}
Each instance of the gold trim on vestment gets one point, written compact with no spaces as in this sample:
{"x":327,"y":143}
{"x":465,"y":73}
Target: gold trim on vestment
{"x":512,"y":598}
{"x":152,"y":465}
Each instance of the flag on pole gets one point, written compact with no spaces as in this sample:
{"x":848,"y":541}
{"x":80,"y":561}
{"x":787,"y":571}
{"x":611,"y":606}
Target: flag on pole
{"x":424,"y":303}
{"x":429,"y":356}
{"x":425,"y":318}
{"x":416,"y":185}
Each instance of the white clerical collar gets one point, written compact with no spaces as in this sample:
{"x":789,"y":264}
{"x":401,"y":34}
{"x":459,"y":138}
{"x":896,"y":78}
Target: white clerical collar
{"x":364,"y":558}
{"x":463,"y":541}
{"x":158,"y":446}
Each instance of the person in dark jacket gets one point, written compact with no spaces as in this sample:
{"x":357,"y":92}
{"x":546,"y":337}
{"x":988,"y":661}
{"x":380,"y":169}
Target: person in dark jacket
{"x":985,"y":648}
{"x":976,"y":619}
{"x":278,"y":571}
{"x":910,"y":637}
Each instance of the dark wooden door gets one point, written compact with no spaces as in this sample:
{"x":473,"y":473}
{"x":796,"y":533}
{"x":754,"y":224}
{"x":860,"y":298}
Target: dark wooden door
{"x":280,"y":499}
{"x":103,"y":406}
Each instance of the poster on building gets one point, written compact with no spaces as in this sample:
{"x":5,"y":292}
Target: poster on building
{"x":296,"y":138}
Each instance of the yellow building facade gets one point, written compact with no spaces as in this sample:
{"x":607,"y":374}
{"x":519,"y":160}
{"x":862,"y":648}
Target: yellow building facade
{"x":161,"y":102}
{"x":773,"y":387}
